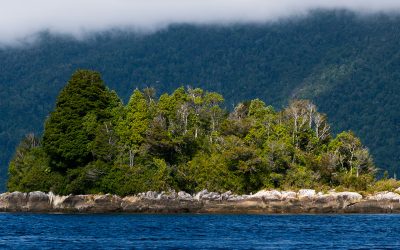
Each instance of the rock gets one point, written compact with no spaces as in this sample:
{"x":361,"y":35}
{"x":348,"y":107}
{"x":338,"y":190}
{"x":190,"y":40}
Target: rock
{"x":184,"y":196}
{"x":225,"y":196}
{"x":337,"y":201}
{"x":172,"y":194}
{"x":56,"y":201}
{"x":77,"y":203}
{"x":239,"y":197}
{"x":264,"y":201}
{"x":349,"y":196}
{"x":268,"y":195}
{"x":397,"y":190}
{"x":15,"y":201}
{"x":211,"y":196}
{"x":288,"y":195}
{"x":38,"y":201}
{"x":106,"y":203}
{"x":385,"y":196}
{"x":306,"y":193}
{"x":3,"y":202}
{"x":150,"y":195}
{"x":200,"y":194}
{"x":162,"y":196}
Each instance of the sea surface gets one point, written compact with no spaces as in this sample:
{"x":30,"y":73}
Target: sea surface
{"x":117,"y":231}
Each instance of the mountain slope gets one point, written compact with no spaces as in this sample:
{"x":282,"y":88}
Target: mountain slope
{"x":349,"y":66}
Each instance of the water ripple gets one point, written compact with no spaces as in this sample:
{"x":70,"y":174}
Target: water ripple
{"x":58,"y":231}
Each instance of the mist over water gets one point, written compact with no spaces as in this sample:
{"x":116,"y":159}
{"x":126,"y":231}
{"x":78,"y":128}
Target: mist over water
{"x":21,"y":20}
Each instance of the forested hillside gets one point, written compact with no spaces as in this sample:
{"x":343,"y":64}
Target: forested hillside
{"x":347,"y":65}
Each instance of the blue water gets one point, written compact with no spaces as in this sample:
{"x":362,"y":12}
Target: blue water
{"x":56,"y":231}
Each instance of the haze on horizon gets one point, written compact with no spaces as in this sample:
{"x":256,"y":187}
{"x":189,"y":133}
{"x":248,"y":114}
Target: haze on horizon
{"x":20,"y":20}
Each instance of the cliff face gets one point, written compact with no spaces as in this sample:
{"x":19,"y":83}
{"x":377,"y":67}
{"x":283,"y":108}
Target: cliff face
{"x":263,"y":202}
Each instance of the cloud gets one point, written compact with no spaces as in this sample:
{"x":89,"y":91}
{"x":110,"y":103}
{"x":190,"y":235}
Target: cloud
{"x":22,"y":19}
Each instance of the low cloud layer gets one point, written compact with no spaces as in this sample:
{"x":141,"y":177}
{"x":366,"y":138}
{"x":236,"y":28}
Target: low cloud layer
{"x":22,"y":19}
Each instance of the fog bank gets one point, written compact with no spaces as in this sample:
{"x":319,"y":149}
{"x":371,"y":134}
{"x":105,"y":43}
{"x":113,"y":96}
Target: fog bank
{"x":21,"y":20}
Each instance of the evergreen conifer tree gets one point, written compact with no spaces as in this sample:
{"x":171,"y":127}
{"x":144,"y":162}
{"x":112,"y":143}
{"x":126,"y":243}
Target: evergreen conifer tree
{"x":65,"y":138}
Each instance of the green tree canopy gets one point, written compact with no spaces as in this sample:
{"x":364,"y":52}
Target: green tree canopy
{"x":183,"y":141}
{"x":65,"y":140}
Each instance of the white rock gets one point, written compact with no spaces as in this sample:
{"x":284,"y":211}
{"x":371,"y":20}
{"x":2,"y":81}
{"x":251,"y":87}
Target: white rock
{"x":161,"y":195}
{"x":200,"y":194}
{"x":169,"y":195}
{"x":389,"y":196}
{"x":288,"y":195}
{"x":226,"y":195}
{"x":306,"y":193}
{"x":151,"y":195}
{"x":238,"y":197}
{"x":350,"y":196}
{"x":56,"y":200}
{"x":211,"y":196}
{"x":268,"y":194}
{"x":184,"y":196}
{"x":37,"y":194}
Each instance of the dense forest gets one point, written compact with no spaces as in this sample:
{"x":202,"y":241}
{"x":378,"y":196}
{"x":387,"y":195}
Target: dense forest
{"x":346,"y":64}
{"x":186,"y":140}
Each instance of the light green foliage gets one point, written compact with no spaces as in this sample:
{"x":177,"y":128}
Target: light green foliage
{"x":208,"y":171}
{"x":385,"y":185}
{"x":134,"y":124}
{"x":351,"y":155}
{"x":133,"y":127}
{"x":184,"y":141}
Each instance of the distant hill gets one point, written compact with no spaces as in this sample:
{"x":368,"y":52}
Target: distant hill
{"x":348,"y":65}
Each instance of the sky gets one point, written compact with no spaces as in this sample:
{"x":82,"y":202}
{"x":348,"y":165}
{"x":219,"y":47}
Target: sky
{"x":21,"y":20}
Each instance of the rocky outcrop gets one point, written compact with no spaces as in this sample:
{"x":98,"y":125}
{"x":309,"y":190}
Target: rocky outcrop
{"x":262,"y":202}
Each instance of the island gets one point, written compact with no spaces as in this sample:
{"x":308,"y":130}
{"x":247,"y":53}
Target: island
{"x":196,"y":153}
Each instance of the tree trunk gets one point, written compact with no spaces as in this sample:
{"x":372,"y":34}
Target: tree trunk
{"x":131,"y":156}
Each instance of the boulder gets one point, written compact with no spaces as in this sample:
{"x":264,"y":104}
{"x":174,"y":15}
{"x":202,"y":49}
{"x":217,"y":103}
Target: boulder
{"x":288,"y":195}
{"x":15,"y":201}
{"x":56,"y":201}
{"x":385,"y":196}
{"x":306,"y":193}
{"x":77,"y":203}
{"x":170,"y":195}
{"x":235,"y":197}
{"x":184,"y":196}
{"x":268,"y":195}
{"x":106,"y":203}
{"x":200,"y":194}
{"x":38,"y":202}
{"x":151,"y":195}
{"x":349,"y":196}
{"x":211,"y":196}
{"x":225,"y":196}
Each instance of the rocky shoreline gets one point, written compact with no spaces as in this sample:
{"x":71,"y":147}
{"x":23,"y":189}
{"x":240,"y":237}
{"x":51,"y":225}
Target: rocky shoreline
{"x":264,"y":202}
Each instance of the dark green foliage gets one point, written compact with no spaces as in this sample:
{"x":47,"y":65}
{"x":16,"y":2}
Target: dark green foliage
{"x":183,"y":141}
{"x":29,"y":170}
{"x":71,"y":127}
{"x":348,"y":65}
